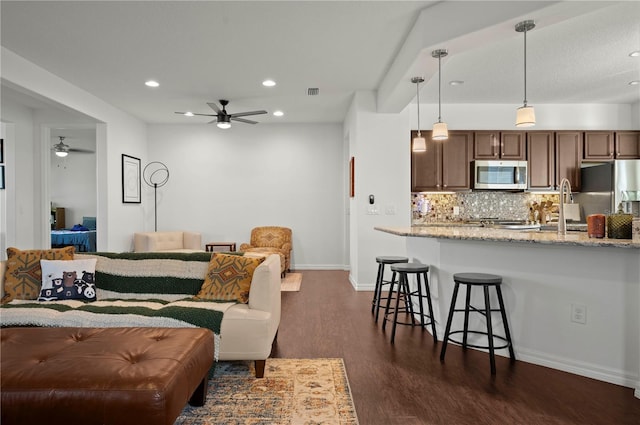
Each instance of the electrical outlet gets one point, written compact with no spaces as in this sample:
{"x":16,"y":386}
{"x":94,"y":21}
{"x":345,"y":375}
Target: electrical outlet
{"x":579,"y":313}
{"x":456,"y":210}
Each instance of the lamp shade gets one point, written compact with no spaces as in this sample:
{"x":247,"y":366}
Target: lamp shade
{"x":526,"y":116}
{"x":440,"y":131}
{"x":419,"y":144}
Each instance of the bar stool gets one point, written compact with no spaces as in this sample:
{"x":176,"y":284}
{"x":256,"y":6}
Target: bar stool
{"x":380,"y":282}
{"x":404,"y":291}
{"x":486,"y":281}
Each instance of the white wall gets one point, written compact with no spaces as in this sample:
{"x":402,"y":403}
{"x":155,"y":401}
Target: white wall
{"x":224,"y":182}
{"x":73,"y":183}
{"x":116,"y":134}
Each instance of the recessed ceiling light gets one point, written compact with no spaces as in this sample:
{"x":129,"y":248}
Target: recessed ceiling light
{"x":188,"y":114}
{"x":268,"y":83}
{"x":456,"y":83}
{"x":635,"y":54}
{"x":634,"y":83}
{"x":152,"y":83}
{"x":278,"y":113}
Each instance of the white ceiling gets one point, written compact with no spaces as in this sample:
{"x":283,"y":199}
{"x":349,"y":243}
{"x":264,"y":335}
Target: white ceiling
{"x":202,"y":51}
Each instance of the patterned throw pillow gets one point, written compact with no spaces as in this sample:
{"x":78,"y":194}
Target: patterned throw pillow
{"x":23,"y":276}
{"x":68,"y":280}
{"x":228,"y":278}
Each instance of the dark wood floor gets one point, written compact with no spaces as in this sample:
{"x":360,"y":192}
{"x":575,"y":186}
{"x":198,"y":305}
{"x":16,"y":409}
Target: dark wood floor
{"x":406,"y":384}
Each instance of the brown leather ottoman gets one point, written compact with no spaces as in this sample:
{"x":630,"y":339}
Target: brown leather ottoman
{"x":102,"y":375}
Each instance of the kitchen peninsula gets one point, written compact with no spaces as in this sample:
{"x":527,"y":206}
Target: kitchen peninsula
{"x":573,"y":302}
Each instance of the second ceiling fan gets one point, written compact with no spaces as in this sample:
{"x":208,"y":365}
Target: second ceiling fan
{"x":223,"y":118}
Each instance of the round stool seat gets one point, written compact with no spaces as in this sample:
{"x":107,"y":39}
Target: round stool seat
{"x":391,"y":260}
{"x":410,"y":268}
{"x":477,"y":279}
{"x":381,"y":281}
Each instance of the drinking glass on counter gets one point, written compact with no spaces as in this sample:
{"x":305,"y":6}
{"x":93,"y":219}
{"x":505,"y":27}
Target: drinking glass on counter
{"x":595,"y":225}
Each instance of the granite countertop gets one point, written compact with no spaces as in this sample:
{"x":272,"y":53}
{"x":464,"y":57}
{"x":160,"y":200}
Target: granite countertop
{"x":505,"y":235}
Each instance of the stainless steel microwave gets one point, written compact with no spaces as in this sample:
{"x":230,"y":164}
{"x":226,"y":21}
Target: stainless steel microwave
{"x":501,"y":175}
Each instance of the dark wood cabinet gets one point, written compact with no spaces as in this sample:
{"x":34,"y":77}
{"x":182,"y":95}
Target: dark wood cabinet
{"x":569,"y":157}
{"x":541,"y":154}
{"x":445,"y":166}
{"x":57,"y":219}
{"x":499,"y":145}
{"x":627,"y":144}
{"x":598,"y":145}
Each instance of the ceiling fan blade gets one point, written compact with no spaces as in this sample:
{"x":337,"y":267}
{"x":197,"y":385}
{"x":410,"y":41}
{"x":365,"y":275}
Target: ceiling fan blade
{"x":80,"y":150}
{"x":244,"y":114}
{"x":214,"y":107}
{"x":193,"y":113}
{"x":213,"y":121}
{"x":243,"y":120}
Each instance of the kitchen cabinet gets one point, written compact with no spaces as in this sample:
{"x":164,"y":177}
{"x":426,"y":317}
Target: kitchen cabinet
{"x":627,"y":145}
{"x":541,"y":154}
{"x":569,"y":157}
{"x":552,"y":157}
{"x":607,"y":145}
{"x":508,"y":145}
{"x":445,"y":166}
{"x":598,"y":145}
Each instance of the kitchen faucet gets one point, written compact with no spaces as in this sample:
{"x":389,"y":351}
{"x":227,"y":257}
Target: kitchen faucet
{"x":564,"y":190}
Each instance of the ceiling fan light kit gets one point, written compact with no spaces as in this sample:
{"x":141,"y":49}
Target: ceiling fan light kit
{"x":61,"y":149}
{"x":440,"y":130}
{"x":525,"y":115}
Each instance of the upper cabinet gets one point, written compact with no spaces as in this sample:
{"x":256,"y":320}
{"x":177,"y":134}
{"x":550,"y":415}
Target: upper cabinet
{"x":509,"y":145}
{"x":569,"y":157}
{"x":628,"y":144}
{"x":552,"y":157}
{"x":445,"y":166}
{"x":608,"y":145}
{"x":598,"y":145}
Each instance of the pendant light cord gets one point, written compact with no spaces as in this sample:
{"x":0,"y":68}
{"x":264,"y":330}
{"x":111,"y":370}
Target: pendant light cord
{"x":525,"y":67}
{"x":439,"y":89}
{"x":418,"y":100}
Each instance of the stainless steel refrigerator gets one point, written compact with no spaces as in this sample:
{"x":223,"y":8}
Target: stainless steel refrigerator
{"x":607,"y":185}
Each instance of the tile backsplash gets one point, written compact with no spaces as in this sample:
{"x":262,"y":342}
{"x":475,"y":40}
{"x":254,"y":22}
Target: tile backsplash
{"x":435,"y":207}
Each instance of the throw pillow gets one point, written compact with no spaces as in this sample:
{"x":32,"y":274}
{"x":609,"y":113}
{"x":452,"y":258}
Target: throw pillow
{"x":68,"y":280}
{"x":23,"y":276}
{"x":228,"y":278}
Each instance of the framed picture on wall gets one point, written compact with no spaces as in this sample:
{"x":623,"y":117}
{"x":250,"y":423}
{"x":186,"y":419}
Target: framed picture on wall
{"x":1,"y":176}
{"x":131,"y":180}
{"x":1,"y":151}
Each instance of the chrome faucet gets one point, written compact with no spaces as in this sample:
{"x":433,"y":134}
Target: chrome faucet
{"x":564,"y":191}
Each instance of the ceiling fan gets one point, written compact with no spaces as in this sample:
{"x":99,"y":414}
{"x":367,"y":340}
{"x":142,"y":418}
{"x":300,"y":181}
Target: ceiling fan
{"x":223,"y":118}
{"x":61,"y":149}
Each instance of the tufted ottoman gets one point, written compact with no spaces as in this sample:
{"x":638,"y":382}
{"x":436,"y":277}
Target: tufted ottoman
{"x":102,"y":375}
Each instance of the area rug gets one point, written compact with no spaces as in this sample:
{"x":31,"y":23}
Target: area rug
{"x":292,"y":392}
{"x":291,"y":282}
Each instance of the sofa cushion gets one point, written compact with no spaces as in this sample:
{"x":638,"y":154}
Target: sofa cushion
{"x":23,"y":277}
{"x":68,"y":280}
{"x":229,"y":278}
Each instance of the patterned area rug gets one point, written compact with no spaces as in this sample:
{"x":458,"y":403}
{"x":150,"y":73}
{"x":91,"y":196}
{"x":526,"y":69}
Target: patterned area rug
{"x":291,"y":282}
{"x":292,"y":392}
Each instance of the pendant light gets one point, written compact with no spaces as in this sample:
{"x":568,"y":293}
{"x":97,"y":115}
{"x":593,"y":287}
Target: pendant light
{"x":440,"y":131}
{"x":526,"y":116}
{"x":419,"y":143}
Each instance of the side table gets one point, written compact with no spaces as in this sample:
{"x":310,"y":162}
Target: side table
{"x":217,"y":246}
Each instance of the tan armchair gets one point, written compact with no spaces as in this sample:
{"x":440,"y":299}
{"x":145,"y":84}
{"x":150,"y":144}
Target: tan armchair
{"x":271,"y":239}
